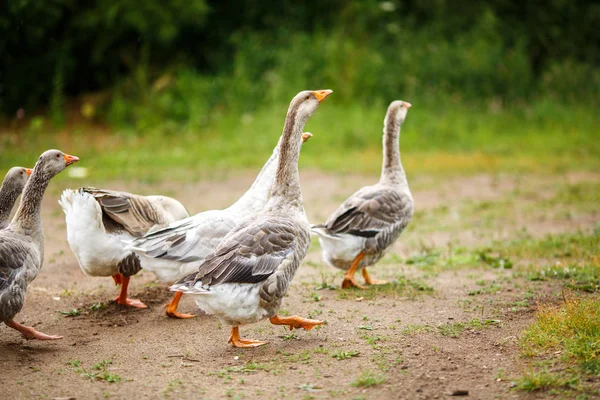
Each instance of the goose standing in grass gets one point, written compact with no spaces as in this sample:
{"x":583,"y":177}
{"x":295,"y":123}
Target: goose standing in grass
{"x":364,"y":227}
{"x":245,"y":279}
{"x":100,"y":221}
{"x":12,"y":186}
{"x":175,"y":251}
{"x":22,"y":242}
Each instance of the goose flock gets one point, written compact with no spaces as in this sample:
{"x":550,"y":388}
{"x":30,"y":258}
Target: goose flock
{"x":237,"y":263}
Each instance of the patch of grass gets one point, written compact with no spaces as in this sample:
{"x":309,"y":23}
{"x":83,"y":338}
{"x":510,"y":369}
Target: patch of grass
{"x":402,"y":286}
{"x":344,"y":355}
{"x":413,"y":329}
{"x":578,"y":277}
{"x":567,"y":337}
{"x":491,"y":289}
{"x":98,"y":372}
{"x":461,"y":139}
{"x":71,"y":313}
{"x":494,"y":260}
{"x":98,"y":306}
{"x":456,"y":328}
{"x":369,"y":379}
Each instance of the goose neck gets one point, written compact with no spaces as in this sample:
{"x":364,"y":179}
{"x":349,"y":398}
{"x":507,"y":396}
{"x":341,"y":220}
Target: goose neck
{"x":392,"y":171}
{"x":287,"y":181}
{"x":8,"y":196}
{"x":257,"y":196}
{"x":28,"y":218}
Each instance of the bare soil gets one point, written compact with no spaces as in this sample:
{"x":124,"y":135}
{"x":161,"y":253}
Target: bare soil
{"x":395,"y":334}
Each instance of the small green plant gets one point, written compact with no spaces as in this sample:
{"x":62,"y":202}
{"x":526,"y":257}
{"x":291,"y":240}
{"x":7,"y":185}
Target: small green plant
{"x":368,"y":379}
{"x":96,"y":372}
{"x":344,"y":355}
{"x":98,"y":306}
{"x":71,"y":313}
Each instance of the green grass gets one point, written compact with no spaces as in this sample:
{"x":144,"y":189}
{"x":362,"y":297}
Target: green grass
{"x":445,"y":139}
{"x":368,"y":379}
{"x":567,"y":339}
{"x":402,"y":286}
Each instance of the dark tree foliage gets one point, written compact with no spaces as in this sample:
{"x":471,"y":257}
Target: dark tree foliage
{"x":67,"y":47}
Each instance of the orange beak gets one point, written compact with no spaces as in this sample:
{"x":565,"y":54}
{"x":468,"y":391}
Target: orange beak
{"x":407,"y":104}
{"x":28,"y":171}
{"x":306,"y":136}
{"x":69,"y":159}
{"x":321,"y":94}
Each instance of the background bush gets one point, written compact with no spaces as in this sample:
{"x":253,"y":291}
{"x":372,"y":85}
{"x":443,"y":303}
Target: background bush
{"x":182,"y":62}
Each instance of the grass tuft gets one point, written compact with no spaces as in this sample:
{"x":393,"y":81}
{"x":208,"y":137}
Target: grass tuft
{"x":568,"y":337}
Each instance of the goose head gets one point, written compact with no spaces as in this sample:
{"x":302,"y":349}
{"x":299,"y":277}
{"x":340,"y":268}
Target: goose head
{"x":397,"y":111}
{"x":305,"y":103}
{"x":16,"y":178}
{"x":51,"y":162}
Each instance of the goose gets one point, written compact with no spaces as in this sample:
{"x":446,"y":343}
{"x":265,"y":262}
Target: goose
{"x":175,"y":251}
{"x":12,"y":186}
{"x":362,"y":229}
{"x":22,"y":242}
{"x":246,"y":277}
{"x":98,"y":223}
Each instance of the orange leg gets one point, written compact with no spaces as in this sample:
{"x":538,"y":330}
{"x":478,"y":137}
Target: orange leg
{"x":349,"y":281}
{"x":122,"y":298}
{"x":30,"y":333}
{"x":172,"y":308}
{"x":237,"y":341}
{"x":370,"y":281}
{"x":117,"y":279}
{"x":296,"y":322}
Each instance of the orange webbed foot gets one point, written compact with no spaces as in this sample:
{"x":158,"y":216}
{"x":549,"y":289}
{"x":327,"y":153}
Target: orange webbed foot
{"x":176,"y":314}
{"x":371,"y":281}
{"x":296,"y":322}
{"x":237,"y":341}
{"x":130,"y":302}
{"x":30,"y":333}
{"x":172,"y":308}
{"x":348,"y":283}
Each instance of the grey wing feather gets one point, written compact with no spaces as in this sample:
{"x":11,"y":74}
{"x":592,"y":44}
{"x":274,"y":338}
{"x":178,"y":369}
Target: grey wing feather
{"x":13,"y":256}
{"x":187,"y":240}
{"x":370,"y":212}
{"x":250,"y":255}
{"x":134,"y":213}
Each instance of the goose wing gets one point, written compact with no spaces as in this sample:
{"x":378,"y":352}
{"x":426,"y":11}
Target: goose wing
{"x":369,"y":212}
{"x":252,"y":253}
{"x":188,"y":240}
{"x":14,"y":254}
{"x":136,"y":214}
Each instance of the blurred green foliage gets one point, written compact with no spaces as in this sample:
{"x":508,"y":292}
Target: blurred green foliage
{"x":184,"y":61}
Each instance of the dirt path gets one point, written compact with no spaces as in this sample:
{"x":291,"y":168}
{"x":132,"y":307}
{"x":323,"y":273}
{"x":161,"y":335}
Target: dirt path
{"x":422,"y":341}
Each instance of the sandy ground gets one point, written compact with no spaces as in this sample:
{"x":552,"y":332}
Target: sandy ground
{"x":392,"y":333}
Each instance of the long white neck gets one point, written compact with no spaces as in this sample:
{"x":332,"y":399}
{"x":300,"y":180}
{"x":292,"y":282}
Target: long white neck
{"x":257,"y":196}
{"x":392,"y":172}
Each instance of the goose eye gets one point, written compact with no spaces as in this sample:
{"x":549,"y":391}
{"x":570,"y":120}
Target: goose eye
{"x":58,"y":156}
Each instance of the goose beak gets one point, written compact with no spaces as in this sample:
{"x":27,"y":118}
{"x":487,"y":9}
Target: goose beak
{"x":69,"y":159}
{"x":28,"y":171}
{"x":407,"y":104}
{"x":322,"y":94}
{"x":306,"y":136}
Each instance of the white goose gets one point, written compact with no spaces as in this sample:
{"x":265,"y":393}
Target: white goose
{"x":175,"y":251}
{"x":100,"y":221}
{"x":245,"y":279}
{"x":363,"y":228}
